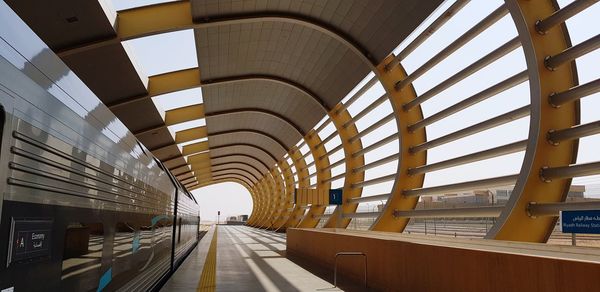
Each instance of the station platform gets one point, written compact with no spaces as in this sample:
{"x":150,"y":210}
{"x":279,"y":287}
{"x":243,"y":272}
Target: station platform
{"x":240,"y":258}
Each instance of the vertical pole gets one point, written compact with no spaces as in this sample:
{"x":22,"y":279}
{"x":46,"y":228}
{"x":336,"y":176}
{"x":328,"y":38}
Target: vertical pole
{"x":573,"y":239}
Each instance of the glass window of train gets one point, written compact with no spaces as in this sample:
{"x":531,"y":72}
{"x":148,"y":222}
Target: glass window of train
{"x":82,"y":256}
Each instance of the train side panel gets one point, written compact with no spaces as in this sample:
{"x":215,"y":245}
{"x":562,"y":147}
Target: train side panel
{"x":84,"y":206}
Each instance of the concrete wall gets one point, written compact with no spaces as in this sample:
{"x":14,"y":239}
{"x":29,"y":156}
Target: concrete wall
{"x":395,"y":264}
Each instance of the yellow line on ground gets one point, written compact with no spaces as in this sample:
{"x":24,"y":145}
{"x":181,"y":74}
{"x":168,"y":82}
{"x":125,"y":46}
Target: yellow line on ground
{"x":208,"y":279}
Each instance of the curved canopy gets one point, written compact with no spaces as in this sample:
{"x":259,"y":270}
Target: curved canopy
{"x":269,"y":70}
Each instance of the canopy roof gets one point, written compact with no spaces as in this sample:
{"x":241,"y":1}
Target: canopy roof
{"x":269,"y":70}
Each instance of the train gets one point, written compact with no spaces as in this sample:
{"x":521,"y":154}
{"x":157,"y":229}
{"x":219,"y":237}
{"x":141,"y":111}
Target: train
{"x":85,"y":206}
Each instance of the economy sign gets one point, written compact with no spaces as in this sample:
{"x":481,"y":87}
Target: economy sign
{"x":586,"y":221}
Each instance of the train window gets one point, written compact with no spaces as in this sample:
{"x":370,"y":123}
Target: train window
{"x":82,"y":256}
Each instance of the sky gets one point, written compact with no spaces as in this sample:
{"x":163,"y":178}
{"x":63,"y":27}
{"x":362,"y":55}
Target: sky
{"x":175,"y":51}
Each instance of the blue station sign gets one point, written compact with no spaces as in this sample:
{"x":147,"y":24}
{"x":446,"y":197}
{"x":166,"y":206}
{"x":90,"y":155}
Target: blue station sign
{"x":335,"y":197}
{"x":586,"y":221}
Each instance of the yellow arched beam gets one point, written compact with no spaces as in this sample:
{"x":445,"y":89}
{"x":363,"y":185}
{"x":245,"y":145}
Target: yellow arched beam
{"x":266,"y":190}
{"x":302,"y":173}
{"x":514,"y":223}
{"x":397,"y":201}
{"x":285,"y":210}
{"x":270,"y":197}
{"x":257,"y":208}
{"x":177,"y":16}
{"x":311,"y":219}
{"x":255,"y":205}
{"x":260,"y":187}
{"x":339,"y":119}
{"x":275,"y":197}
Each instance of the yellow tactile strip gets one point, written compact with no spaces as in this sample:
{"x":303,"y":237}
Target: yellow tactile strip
{"x":209,"y":272}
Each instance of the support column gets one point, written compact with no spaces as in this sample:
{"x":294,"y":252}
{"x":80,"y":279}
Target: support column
{"x":515,"y":223}
{"x":397,"y":201}
{"x":339,"y":119}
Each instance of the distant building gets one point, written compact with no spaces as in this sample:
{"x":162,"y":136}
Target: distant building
{"x":485,"y":197}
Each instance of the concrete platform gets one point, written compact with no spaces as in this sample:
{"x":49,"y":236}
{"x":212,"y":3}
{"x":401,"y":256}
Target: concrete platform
{"x":247,"y":259}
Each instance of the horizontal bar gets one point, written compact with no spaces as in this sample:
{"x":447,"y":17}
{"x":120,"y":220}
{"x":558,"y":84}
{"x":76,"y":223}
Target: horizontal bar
{"x":485,"y":125}
{"x":304,"y":155}
{"x":334,"y":150}
{"x":491,"y":57}
{"x":472,"y":100}
{"x":374,"y":80}
{"x":337,"y":163}
{"x":376,"y":163}
{"x":473,"y":157}
{"x":575,"y":170}
{"x":327,"y":139}
{"x":430,"y":30}
{"x":576,"y":51}
{"x":308,"y":165}
{"x":322,"y":126}
{"x":376,"y":145}
{"x":362,"y":215}
{"x":341,"y":175}
{"x":366,"y":110}
{"x":576,"y":132}
{"x":301,"y":144}
{"x":463,"y":186}
{"x":561,"y":15}
{"x":466,"y":212}
{"x":311,"y":175}
{"x":358,"y":200}
{"x":575,"y":93}
{"x":489,"y":20}
{"x":373,"y":127}
{"x":386,"y":178}
{"x":538,"y":209}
